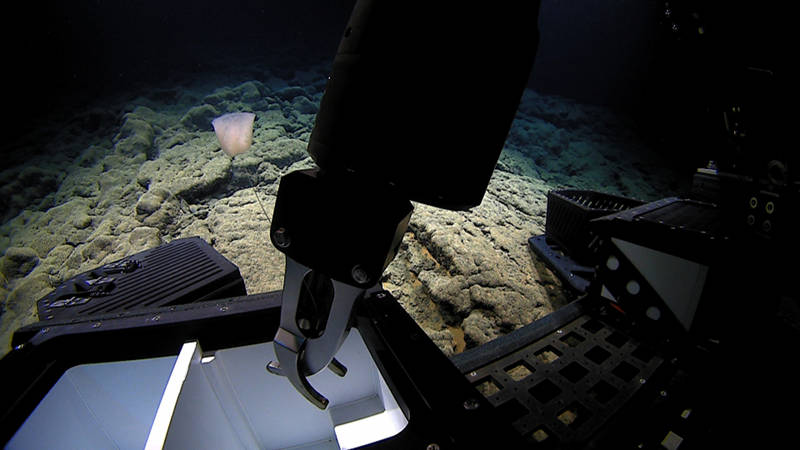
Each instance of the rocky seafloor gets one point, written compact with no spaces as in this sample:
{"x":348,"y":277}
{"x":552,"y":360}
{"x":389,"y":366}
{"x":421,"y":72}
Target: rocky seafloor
{"x":128,"y":173}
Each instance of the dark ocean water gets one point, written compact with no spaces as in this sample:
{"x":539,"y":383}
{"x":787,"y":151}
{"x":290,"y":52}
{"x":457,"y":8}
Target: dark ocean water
{"x":110,"y":148}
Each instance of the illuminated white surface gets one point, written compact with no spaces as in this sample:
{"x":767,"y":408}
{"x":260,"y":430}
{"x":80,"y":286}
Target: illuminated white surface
{"x":158,"y":433}
{"x":101,"y":405}
{"x":226,"y":401}
{"x":373,"y":428}
{"x":370,"y":429}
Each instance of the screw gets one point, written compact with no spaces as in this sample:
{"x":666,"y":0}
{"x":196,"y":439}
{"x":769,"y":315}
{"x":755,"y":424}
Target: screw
{"x":156,"y":318}
{"x":381,"y":295}
{"x":663,"y":393}
{"x":44,"y":330}
{"x":97,"y":324}
{"x":281,"y":238}
{"x":19,"y":347}
{"x":360,"y":275}
{"x":433,"y":446}
{"x":223,"y":308}
{"x":642,"y":381}
{"x":471,"y":404}
{"x":473,"y":374}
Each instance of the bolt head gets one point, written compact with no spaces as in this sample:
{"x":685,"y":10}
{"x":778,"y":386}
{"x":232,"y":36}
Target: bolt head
{"x":360,"y":275}
{"x":471,"y":404}
{"x":281,"y":238}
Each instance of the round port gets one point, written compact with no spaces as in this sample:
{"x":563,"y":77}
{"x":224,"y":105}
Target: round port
{"x":633,"y":287}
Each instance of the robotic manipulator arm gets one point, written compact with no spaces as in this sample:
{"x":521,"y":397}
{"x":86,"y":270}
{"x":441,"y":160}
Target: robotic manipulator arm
{"x":417,"y":107}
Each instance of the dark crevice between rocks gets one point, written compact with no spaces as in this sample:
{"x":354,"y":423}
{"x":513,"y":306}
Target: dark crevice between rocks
{"x":425,"y":238}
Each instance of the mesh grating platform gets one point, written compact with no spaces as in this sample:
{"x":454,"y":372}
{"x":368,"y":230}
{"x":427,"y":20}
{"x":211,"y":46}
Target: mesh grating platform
{"x":562,"y":388}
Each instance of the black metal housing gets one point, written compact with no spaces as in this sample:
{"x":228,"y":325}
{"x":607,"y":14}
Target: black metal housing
{"x":450,"y":76}
{"x":443,"y":409}
{"x":48,"y":350}
{"x":336,"y":223}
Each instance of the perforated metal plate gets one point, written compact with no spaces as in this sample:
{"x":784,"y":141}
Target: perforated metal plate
{"x":564,"y":387}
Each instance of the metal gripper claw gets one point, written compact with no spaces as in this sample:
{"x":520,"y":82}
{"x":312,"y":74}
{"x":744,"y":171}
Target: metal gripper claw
{"x":304,"y":350}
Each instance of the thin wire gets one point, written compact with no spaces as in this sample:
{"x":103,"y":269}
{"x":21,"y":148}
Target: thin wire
{"x":255,"y":192}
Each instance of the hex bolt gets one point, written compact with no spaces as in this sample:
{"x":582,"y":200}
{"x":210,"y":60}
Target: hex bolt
{"x":281,"y":238}
{"x":360,"y":275}
{"x":471,"y":404}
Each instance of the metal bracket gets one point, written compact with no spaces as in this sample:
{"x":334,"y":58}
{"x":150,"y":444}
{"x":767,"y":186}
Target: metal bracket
{"x":299,"y":355}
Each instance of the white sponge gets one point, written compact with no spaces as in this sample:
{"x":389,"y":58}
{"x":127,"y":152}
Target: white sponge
{"x":235,"y":132}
